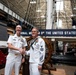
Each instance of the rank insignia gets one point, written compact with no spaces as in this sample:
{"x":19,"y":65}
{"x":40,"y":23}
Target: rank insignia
{"x":22,"y":40}
{"x":41,"y":48}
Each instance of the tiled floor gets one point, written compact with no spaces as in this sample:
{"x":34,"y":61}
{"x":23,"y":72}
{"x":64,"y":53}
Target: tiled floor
{"x":60,"y":70}
{"x":69,"y":70}
{"x":57,"y":72}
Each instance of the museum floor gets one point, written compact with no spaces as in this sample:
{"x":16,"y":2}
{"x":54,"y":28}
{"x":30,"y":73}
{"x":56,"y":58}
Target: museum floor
{"x":60,"y":70}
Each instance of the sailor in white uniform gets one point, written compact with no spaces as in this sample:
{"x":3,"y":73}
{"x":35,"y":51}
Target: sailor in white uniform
{"x":16,"y":46}
{"x":36,"y":53}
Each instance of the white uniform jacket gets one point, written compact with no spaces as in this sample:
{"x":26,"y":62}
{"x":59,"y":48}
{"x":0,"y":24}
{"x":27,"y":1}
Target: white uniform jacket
{"x":14,"y":57}
{"x":16,"y":41}
{"x":37,"y":51}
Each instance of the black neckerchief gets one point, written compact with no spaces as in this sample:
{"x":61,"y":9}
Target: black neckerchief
{"x":33,"y":43}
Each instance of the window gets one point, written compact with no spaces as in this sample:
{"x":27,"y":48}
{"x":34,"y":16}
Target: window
{"x":59,"y":5}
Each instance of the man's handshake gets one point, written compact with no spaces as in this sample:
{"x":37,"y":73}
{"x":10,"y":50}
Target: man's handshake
{"x":22,"y":51}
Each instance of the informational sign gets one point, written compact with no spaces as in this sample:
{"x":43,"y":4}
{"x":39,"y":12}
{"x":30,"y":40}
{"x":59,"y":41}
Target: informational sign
{"x":53,"y":32}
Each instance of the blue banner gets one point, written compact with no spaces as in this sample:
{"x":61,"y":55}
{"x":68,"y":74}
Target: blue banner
{"x":52,"y":32}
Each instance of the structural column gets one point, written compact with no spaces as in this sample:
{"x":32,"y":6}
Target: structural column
{"x":49,"y":18}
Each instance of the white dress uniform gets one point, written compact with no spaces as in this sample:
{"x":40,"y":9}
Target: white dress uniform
{"x":37,"y":55}
{"x":14,"y":57}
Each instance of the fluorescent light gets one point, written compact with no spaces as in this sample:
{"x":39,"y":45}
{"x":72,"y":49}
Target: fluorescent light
{"x":52,"y":39}
{"x":73,"y":15}
{"x":38,"y":10}
{"x":58,"y":0}
{"x":74,"y":8}
{"x":74,"y":27}
{"x":32,"y":2}
{"x":42,"y":16}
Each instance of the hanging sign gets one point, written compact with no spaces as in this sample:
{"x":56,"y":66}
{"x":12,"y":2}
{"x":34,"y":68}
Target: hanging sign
{"x":52,"y":32}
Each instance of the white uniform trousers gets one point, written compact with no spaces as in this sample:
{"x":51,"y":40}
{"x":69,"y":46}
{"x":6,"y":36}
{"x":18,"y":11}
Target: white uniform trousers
{"x":13,"y":62}
{"x":34,"y":69}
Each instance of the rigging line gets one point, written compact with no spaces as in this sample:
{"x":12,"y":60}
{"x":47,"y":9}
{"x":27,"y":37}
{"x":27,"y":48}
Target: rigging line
{"x":40,"y":16}
{"x":27,"y":10}
{"x":66,"y":16}
{"x":45,"y":13}
{"x":34,"y":14}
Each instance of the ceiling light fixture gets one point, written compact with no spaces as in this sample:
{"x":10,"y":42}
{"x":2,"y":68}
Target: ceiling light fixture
{"x":74,"y":8}
{"x":32,"y":2}
{"x":73,"y":15}
{"x":38,"y":10}
{"x":42,"y":16}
